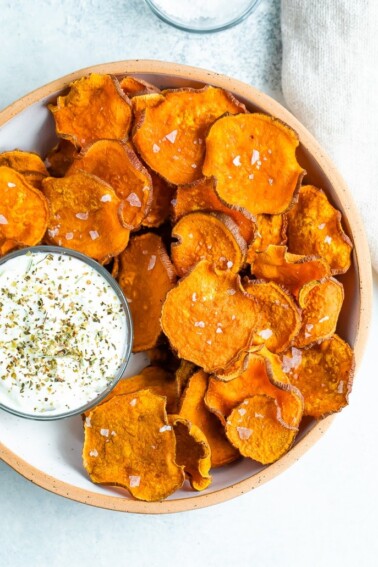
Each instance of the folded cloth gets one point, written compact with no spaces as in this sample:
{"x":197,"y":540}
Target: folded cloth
{"x":330,"y":82}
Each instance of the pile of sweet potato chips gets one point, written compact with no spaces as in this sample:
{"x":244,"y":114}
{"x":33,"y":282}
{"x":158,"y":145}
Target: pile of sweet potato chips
{"x":227,"y":261}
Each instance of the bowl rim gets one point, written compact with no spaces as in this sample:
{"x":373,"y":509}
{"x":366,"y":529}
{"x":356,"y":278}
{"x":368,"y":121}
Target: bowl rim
{"x":363,"y":267}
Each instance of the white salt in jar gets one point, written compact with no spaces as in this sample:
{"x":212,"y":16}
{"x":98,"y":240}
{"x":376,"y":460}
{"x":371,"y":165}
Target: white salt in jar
{"x":202,"y":16}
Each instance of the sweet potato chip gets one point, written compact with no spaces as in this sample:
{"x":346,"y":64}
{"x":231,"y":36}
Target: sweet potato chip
{"x":193,"y":409}
{"x":253,"y":428}
{"x":95,"y":108}
{"x":192,"y":452}
{"x":27,"y":163}
{"x":289,"y":270}
{"x":208,"y":319}
{"x":201,"y":195}
{"x":252,"y":157}
{"x":141,"y":102}
{"x":24,"y":211}
{"x":162,"y":195}
{"x":321,"y":303}
{"x":262,"y":375}
{"x":314,"y":227}
{"x":132,"y":86}
{"x":281,"y":318}
{"x":213,"y":237}
{"x":155,"y":379}
{"x":116,"y":163}
{"x":146,"y":275}
{"x":170,"y":136}
{"x":60,"y":158}
{"x":270,"y":229}
{"x":129,"y":443}
{"x":84,"y":216}
{"x":323,"y":373}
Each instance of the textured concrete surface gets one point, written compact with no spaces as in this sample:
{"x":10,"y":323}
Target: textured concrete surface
{"x":323,"y":510}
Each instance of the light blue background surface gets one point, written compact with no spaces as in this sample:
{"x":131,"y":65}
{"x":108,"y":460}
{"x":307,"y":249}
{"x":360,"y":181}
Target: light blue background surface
{"x":323,"y":510}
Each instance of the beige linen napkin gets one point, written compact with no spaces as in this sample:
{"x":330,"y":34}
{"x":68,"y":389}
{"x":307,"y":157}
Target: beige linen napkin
{"x":330,"y":82}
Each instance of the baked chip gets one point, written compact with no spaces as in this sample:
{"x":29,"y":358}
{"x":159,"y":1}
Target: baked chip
{"x":146,"y":275}
{"x":262,"y":375}
{"x":192,"y":452}
{"x":132,"y":86}
{"x":281,"y":318}
{"x":289,"y":270}
{"x":129,"y":443}
{"x":193,"y":409}
{"x":201,"y":195}
{"x":95,"y":108}
{"x":84,"y":216}
{"x":208,"y":319}
{"x":116,"y":163}
{"x":155,"y":379}
{"x":170,"y":136}
{"x":162,"y":195}
{"x":253,"y":428}
{"x":213,"y":237}
{"x":141,"y":102}
{"x":321,"y":303}
{"x":314,"y":227}
{"x":270,"y":229}
{"x":24,"y":212}
{"x":252,"y":157}
{"x":60,"y":158}
{"x":323,"y":373}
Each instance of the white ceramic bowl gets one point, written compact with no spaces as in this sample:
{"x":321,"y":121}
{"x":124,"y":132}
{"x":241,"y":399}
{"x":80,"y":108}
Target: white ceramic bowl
{"x":49,"y":454}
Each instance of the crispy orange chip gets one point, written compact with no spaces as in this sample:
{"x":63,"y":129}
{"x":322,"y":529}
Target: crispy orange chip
{"x":193,"y":409}
{"x":314,"y":227}
{"x":208,"y":319}
{"x":170,"y":136}
{"x":95,"y":108}
{"x":24,"y":211}
{"x":281,"y":318}
{"x":253,"y":428}
{"x":289,"y":270}
{"x":141,"y":102}
{"x":213,"y":237}
{"x":27,"y":163}
{"x":146,"y":275}
{"x":262,"y":375}
{"x":201,"y":195}
{"x":162,"y":196}
{"x":323,"y":373}
{"x":117,"y":164}
{"x":60,"y":158}
{"x":155,"y":379}
{"x":252,"y":157}
{"x":270,"y":229}
{"x":129,"y":443}
{"x":132,"y":86}
{"x":192,"y":452}
{"x":84,"y":216}
{"x":321,"y":303}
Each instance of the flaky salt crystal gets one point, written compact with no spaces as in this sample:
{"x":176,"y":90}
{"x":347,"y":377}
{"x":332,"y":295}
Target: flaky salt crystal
{"x":328,"y":240}
{"x":88,"y":422}
{"x":133,"y":402}
{"x":288,"y":363}
{"x":242,"y":411}
{"x":219,"y":331}
{"x":134,"y":481}
{"x":265,"y":334}
{"x":340,"y":387}
{"x":236,"y":161}
{"x":255,"y":156}
{"x":82,"y":216}
{"x":231,"y":291}
{"x":199,"y":324}
{"x":171,"y":137}
{"x":165,"y":428}
{"x":134,"y":200}
{"x":325,"y":318}
{"x":10,"y":184}
{"x":3,"y":220}
{"x":321,"y":226}
{"x":104,"y":432}
{"x":244,"y":433}
{"x":155,"y":148}
{"x":194,"y":296}
{"x":93,"y":453}
{"x":69,"y":236}
{"x":229,"y":264}
{"x":151,"y":263}
{"x":93,"y":234}
{"x":106,"y":198}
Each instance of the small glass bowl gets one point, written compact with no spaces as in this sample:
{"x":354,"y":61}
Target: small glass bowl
{"x":128,"y":326}
{"x":211,"y":17}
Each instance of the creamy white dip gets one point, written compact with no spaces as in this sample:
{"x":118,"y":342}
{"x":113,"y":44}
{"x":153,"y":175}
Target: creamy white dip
{"x":63,"y":332}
